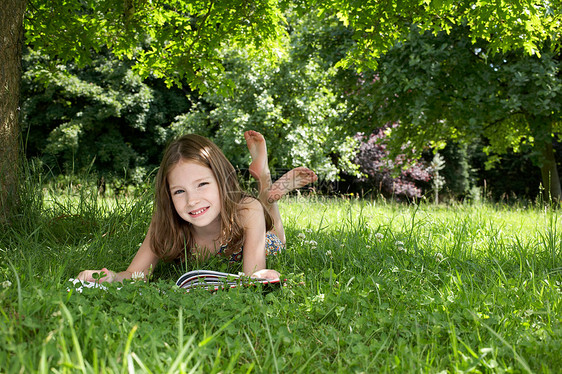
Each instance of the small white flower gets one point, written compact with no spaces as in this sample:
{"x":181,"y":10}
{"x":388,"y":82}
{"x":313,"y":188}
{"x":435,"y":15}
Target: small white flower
{"x":137,"y":276}
{"x":301,"y":235}
{"x":398,"y":243}
{"x":342,"y":245}
{"x":308,"y":231}
{"x":6,"y":284}
{"x":402,"y":249}
{"x":395,"y":269}
{"x":329,"y":253}
{"x":439,"y":257}
{"x":318,"y":298}
{"x":313,"y":243}
{"x":368,"y":246}
{"x":379,"y":236}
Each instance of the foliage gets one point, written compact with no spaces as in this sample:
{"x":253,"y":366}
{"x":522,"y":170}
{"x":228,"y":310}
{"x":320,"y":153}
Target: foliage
{"x":458,"y":65}
{"x":380,"y":25}
{"x":276,"y":74}
{"x":105,"y":112}
{"x":181,"y":41}
{"x":370,"y":287}
{"x":380,"y":169}
{"x":178,"y":41}
{"x":292,"y":103}
{"x":102,"y":117}
{"x":447,"y":88}
{"x":453,"y":89}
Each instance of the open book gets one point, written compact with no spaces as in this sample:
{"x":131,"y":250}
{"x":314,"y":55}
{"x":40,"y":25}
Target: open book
{"x":215,"y":280}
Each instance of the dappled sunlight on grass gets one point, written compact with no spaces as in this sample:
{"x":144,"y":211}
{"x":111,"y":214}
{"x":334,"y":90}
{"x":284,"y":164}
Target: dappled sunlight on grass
{"x":369,"y":286}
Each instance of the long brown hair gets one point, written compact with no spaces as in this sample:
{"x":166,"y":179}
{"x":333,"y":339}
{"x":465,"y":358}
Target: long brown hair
{"x":171,"y":236}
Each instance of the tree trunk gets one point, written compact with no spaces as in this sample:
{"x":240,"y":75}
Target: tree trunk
{"x":549,"y":173}
{"x":541,"y":126}
{"x":11,"y":38}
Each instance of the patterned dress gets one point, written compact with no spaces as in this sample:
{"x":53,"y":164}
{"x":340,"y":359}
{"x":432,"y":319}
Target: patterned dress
{"x":273,"y":246}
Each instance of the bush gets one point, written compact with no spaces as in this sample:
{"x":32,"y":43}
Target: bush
{"x":400,"y":177}
{"x":101,"y":118}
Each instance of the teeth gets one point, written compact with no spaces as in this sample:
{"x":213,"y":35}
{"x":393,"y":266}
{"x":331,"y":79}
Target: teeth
{"x":199,"y":211}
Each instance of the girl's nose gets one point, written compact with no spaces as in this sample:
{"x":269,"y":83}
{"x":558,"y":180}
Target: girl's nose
{"x":192,"y":199}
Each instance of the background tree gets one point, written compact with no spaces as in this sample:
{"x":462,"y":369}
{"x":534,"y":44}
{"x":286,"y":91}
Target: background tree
{"x":11,"y":31}
{"x":292,"y":103}
{"x":102,"y":118}
{"x":103,"y":112}
{"x":447,"y":88}
{"x":181,"y":41}
{"x":529,"y":28}
{"x":176,"y":40}
{"x":379,"y":25}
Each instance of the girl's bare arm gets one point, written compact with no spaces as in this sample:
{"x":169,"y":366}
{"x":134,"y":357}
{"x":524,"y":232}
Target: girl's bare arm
{"x":254,"y":241}
{"x":144,"y":261}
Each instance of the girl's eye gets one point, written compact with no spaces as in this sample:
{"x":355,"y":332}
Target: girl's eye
{"x":203,"y":184}
{"x":177,"y":192}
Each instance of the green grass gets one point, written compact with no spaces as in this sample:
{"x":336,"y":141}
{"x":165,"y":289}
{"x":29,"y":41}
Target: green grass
{"x":371,"y":287}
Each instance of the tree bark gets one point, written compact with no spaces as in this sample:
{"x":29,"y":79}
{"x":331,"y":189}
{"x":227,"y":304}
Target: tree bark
{"x":549,"y":173}
{"x":542,"y":132}
{"x":11,"y":39}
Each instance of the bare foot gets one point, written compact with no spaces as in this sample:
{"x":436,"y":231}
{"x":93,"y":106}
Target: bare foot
{"x":259,"y":167}
{"x":291,"y":180}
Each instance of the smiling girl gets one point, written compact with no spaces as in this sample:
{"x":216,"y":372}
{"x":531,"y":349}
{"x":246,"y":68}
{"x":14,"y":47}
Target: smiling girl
{"x":201,"y":211}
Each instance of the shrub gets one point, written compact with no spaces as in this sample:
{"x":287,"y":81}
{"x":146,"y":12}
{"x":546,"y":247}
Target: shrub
{"x":400,"y":177}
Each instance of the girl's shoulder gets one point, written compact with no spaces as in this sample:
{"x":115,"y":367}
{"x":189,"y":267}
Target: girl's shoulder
{"x":249,"y":203}
{"x":250,"y":209}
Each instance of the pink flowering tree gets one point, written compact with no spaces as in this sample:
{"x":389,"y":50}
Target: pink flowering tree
{"x":400,"y":177}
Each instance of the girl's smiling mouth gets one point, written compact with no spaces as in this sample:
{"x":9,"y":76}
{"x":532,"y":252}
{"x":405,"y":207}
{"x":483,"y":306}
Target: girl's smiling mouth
{"x":197,"y":213}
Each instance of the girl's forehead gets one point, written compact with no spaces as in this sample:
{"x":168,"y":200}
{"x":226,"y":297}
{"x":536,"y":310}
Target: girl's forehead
{"x":189,"y":169}
{"x":188,"y":162}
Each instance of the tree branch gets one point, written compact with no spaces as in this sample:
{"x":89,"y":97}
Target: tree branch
{"x":198,"y":35}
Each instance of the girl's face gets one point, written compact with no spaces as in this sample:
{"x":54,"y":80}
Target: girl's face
{"x":195,"y":194}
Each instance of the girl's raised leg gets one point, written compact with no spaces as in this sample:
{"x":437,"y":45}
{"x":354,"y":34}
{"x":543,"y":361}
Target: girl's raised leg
{"x":291,"y":180}
{"x":270,"y":193}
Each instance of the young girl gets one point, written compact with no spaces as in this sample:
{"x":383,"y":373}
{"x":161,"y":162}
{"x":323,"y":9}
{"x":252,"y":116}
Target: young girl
{"x":200,"y":210}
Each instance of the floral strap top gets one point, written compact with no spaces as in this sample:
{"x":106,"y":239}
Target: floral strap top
{"x":273,"y":246}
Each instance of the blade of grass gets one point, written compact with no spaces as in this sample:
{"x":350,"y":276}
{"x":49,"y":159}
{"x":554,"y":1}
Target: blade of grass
{"x":144,"y":368}
{"x":180,"y":357}
{"x":516,"y":355}
{"x":127,"y":348}
{"x":271,"y":344}
{"x":20,"y":298}
{"x":70,"y":320}
{"x":253,"y":350}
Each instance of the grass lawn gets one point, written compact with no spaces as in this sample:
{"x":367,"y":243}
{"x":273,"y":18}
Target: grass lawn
{"x":371,"y":287}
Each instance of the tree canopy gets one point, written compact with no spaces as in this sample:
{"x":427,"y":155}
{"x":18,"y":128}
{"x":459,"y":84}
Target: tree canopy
{"x":177,"y":40}
{"x":445,"y":87}
{"x":182,"y":41}
{"x":505,"y":25}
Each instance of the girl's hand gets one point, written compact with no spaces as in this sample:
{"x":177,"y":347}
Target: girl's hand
{"x":266,"y":274}
{"x":104,"y":274}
